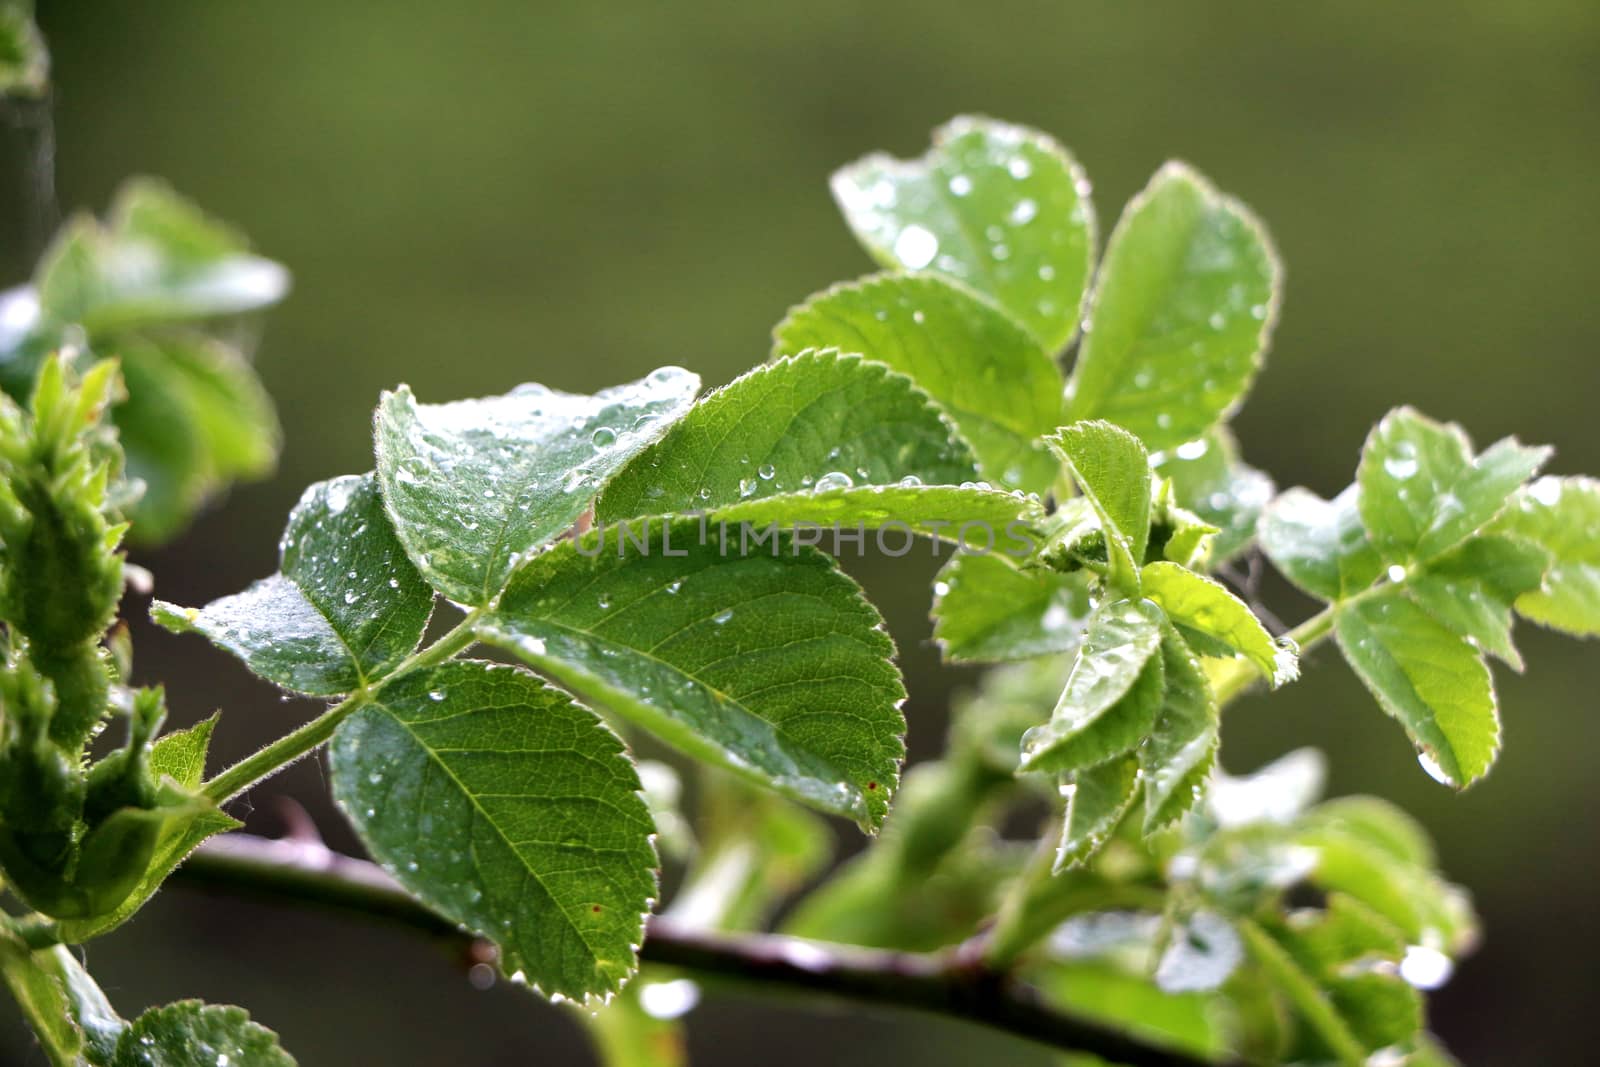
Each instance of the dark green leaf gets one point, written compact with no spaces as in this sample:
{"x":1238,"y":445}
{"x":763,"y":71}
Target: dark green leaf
{"x":475,"y":484}
{"x":1429,"y":678}
{"x":345,"y":609}
{"x":507,"y":808}
{"x":770,"y":664}
{"x":1422,"y":490}
{"x":1181,"y":313}
{"x":1000,"y":207}
{"x":188,"y":1033}
{"x":987,"y":610}
{"x":999,"y":387}
{"x":1562,"y":516}
{"x":1320,"y":545}
{"x":1112,"y":696}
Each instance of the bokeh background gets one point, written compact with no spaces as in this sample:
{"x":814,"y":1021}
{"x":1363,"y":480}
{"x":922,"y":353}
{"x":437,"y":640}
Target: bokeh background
{"x":473,"y":195}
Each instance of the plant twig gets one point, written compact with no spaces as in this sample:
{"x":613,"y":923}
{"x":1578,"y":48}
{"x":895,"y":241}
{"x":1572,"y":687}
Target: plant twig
{"x":954,"y":984}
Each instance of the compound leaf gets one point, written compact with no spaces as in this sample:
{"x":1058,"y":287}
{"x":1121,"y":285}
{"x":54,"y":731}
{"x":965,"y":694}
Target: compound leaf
{"x":1000,"y":207}
{"x":504,"y":806}
{"x":1097,"y":799}
{"x":1113,"y":470}
{"x":1562,"y":516}
{"x":1210,"y":480}
{"x":1423,"y":491}
{"x":473,"y":485}
{"x":1183,"y":742}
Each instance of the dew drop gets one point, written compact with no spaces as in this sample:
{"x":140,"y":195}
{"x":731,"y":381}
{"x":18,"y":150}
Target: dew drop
{"x":834,"y":480}
{"x":604,"y":437}
{"x":767,"y":472}
{"x":915,"y":247}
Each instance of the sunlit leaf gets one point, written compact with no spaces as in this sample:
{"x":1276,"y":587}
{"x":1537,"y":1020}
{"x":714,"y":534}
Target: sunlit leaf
{"x":1000,"y":207}
{"x":1209,"y":479}
{"x":999,"y":387}
{"x":1097,"y":799}
{"x":1113,"y":470}
{"x":987,"y":610}
{"x":1423,"y":491}
{"x":1182,"y":747}
{"x":1180,"y":316}
{"x":1201,"y":604}
{"x":1562,"y":516}
{"x":1429,"y":678}
{"x":1471,"y":589}
{"x":1320,"y":545}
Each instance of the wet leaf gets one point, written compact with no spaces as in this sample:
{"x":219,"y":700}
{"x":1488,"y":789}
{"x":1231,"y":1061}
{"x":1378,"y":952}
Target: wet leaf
{"x":71,"y":1018}
{"x":1429,"y":678}
{"x":1113,"y":471}
{"x":188,"y":1033}
{"x":1097,"y":799}
{"x":1203,"y":952}
{"x":1180,"y":316}
{"x":1562,"y":516}
{"x":1471,"y":589}
{"x":474,"y":484}
{"x":772,"y":666}
{"x":1111,"y":697}
{"x":773,"y":441}
{"x":987,"y":610}
{"x":998,"y":386}
{"x":1202,"y":604}
{"x":1320,"y":545}
{"x":345,"y":608}
{"x":1182,"y":747}
{"x":1210,"y":480}
{"x":1423,"y":491}
{"x":1000,"y":207}
{"x":504,"y":806}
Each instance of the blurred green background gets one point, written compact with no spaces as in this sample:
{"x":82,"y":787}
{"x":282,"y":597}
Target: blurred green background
{"x":474,"y":195}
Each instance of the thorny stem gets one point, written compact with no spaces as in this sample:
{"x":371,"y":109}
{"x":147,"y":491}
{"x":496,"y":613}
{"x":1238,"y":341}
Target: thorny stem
{"x":954,"y":985}
{"x":292,"y":746}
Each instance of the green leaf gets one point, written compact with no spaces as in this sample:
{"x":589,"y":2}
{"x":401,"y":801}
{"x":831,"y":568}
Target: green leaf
{"x":1111,"y":697}
{"x":196,"y":418}
{"x":771,"y":665}
{"x":1199,"y":603}
{"x":1209,"y":480}
{"x":1181,"y":313}
{"x":475,"y":484}
{"x":977,"y":519}
{"x":158,"y":259}
{"x":986,"y":610}
{"x":1113,"y":470}
{"x":815,"y":422}
{"x":999,"y":387}
{"x":1355,"y":840}
{"x":24,"y":60}
{"x":71,"y":1018}
{"x":1000,"y":207}
{"x":188,"y":1033}
{"x":1422,"y":490}
{"x":1097,"y":799}
{"x":1182,"y":747}
{"x":1320,"y":545}
{"x":1132,"y":1003}
{"x":181,"y":754}
{"x":1429,"y":678}
{"x":345,"y":608}
{"x":1471,"y":589}
{"x":1561,"y":516}
{"x":507,"y":808}
{"x":1204,"y":950}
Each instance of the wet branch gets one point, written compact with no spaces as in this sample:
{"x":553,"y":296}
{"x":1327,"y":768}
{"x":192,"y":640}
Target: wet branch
{"x":955,"y":985}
